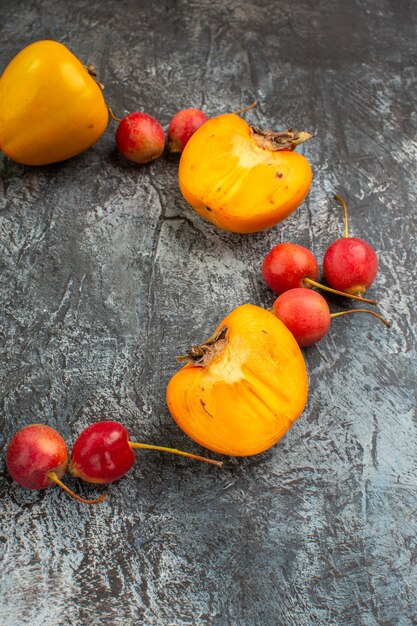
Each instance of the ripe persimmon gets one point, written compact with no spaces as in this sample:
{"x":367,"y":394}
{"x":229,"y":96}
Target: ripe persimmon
{"x":241,"y":178}
{"x":242,"y":389}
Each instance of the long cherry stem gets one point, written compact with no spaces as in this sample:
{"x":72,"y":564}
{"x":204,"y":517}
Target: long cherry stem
{"x":386,"y":322}
{"x":254,"y":103}
{"x":343,"y":203}
{"x":339,"y":293}
{"x":113,"y":115}
{"x":146,"y":446}
{"x":52,"y":476}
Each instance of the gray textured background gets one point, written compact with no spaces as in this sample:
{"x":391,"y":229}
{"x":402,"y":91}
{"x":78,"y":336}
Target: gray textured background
{"x":106,"y":275}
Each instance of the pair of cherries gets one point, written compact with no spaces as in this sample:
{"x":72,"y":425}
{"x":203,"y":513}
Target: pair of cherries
{"x":350,"y":266}
{"x":141,"y":138}
{"x":37,"y":456}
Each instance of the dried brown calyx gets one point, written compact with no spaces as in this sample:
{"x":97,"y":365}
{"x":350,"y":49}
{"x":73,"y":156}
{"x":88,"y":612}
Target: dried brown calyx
{"x":204,"y":353}
{"x":284,"y":140}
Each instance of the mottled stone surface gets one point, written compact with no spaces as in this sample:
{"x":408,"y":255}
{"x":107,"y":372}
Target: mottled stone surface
{"x":107,"y":274}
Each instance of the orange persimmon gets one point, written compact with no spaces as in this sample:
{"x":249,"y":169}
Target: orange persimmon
{"x":51,"y":108}
{"x":241,"y":178}
{"x":243,"y":388}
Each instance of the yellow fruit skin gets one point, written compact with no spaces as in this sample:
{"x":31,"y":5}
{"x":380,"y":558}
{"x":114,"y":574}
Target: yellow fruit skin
{"x":236,"y":184}
{"x":250,"y":394}
{"x":50,"y":107}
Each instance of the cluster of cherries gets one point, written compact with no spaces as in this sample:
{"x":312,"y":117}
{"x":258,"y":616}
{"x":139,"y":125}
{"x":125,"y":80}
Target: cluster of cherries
{"x":350,"y":266}
{"x":37,"y":456}
{"x":141,"y":138}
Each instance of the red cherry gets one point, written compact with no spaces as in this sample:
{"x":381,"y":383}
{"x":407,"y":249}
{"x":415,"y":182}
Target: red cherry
{"x":140,"y":138}
{"x":103,"y":453}
{"x":306,"y":314}
{"x":289,"y":265}
{"x":33,"y":453}
{"x":350,"y":264}
{"x":182,"y":126}
{"x":37,"y":457}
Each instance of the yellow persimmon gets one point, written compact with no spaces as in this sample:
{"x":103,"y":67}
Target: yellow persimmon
{"x":241,"y":178}
{"x":243,"y":388}
{"x":51,"y":108}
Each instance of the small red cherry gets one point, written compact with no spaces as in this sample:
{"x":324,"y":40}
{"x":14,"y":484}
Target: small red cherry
{"x":103,"y":453}
{"x":350,"y":264}
{"x":37,"y":457}
{"x":140,"y":138}
{"x":182,"y":126}
{"x":287,"y":266}
{"x":306,"y":314}
{"x":34,"y":452}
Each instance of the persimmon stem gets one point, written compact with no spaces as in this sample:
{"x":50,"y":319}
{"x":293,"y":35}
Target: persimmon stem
{"x":343,"y":203}
{"x":204,"y":353}
{"x":52,"y":476}
{"x":339,"y":293}
{"x":146,"y":446}
{"x":281,"y":140}
{"x":251,"y":106}
{"x":386,"y":322}
{"x":112,"y":114}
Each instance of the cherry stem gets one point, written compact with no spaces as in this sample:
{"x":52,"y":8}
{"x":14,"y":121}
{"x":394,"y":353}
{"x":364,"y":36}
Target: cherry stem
{"x":52,"y":476}
{"x":386,"y":322}
{"x":254,"y":103}
{"x":343,"y":203}
{"x":146,"y":446}
{"x":339,"y":293}
{"x":112,"y":114}
{"x":92,"y":71}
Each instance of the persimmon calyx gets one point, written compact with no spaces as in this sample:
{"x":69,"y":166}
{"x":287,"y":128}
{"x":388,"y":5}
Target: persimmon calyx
{"x":204,"y":353}
{"x":282,"y":140}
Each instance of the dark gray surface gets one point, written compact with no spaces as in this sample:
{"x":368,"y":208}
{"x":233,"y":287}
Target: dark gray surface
{"x":107,"y":274}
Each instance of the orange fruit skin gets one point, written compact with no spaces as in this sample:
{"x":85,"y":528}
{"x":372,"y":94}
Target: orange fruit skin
{"x":250,"y":394}
{"x":235,"y":183}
